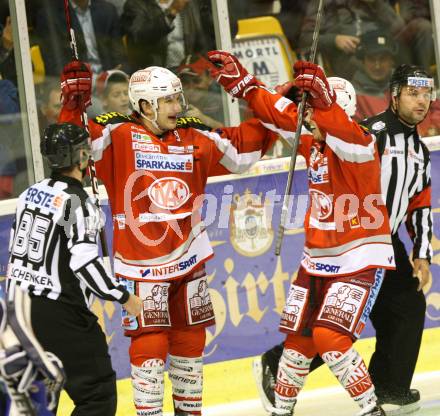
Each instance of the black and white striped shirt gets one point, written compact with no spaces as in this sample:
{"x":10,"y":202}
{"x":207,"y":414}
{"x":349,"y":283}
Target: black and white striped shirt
{"x":53,"y":245}
{"x":406,"y":179}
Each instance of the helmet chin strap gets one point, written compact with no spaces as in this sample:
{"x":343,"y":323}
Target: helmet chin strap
{"x":153,"y":121}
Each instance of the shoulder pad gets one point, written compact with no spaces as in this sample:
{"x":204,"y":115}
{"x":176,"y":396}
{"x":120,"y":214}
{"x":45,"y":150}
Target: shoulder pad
{"x":195,"y":122}
{"x":112,"y":117}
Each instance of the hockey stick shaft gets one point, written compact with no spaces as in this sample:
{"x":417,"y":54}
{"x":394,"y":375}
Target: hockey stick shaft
{"x":91,"y":167}
{"x":300,"y":112}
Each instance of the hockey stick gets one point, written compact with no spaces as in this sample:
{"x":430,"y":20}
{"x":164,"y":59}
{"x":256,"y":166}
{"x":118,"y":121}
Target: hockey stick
{"x":91,"y":167}
{"x":300,"y":112}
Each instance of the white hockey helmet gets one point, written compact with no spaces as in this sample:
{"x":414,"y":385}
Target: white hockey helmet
{"x":152,"y":83}
{"x":345,"y":94}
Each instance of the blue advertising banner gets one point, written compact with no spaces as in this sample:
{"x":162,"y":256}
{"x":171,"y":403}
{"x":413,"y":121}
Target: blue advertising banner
{"x":248,"y":283}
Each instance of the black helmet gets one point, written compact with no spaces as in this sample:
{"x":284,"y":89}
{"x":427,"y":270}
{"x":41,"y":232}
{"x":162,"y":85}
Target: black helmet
{"x":409,"y":75}
{"x":61,"y":144}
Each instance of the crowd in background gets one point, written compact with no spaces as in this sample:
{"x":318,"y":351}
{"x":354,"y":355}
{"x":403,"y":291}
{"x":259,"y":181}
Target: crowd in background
{"x":360,"y":40}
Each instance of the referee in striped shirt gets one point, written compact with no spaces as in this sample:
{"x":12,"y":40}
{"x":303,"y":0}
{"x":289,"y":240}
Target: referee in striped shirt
{"x":54,"y":257}
{"x":399,"y":312}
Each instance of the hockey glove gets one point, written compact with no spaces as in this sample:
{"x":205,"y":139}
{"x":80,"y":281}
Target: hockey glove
{"x":76,"y":85}
{"x":228,"y":72}
{"x":311,"y":78}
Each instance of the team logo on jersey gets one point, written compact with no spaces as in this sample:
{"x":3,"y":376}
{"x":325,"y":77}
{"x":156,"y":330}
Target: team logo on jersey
{"x":321,"y":205}
{"x":199,"y":304}
{"x":129,"y":322}
{"x":355,"y":222}
{"x":164,"y":271}
{"x":154,"y":304}
{"x":313,"y":266}
{"x":342,"y":305}
{"x":318,"y":167}
{"x":282,"y":104}
{"x":294,"y":307}
{"x":120,"y":221}
{"x":44,"y":199}
{"x":180,"y":149}
{"x":137,"y":136}
{"x":169,"y":193}
{"x":146,"y":147}
{"x":163,"y":162}
{"x":393,"y":151}
{"x":251,"y":231}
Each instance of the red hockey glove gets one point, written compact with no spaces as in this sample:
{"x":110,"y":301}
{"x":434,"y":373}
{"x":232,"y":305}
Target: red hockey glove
{"x":230,"y":73}
{"x":311,"y":78}
{"x":76,"y":85}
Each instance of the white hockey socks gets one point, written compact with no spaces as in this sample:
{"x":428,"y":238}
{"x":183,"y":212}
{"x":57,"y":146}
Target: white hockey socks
{"x":351,"y":371}
{"x":148,"y":387}
{"x":186,"y":375}
{"x":292,"y":373}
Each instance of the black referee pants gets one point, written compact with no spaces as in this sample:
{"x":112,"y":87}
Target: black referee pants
{"x":75,"y":337}
{"x":398,"y":317}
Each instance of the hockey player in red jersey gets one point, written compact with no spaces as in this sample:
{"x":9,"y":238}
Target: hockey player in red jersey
{"x":155,"y":166}
{"x":347,"y":235}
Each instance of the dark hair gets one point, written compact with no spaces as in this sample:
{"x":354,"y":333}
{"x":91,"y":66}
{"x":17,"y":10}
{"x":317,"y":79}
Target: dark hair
{"x":116,"y":78}
{"x":4,"y":11}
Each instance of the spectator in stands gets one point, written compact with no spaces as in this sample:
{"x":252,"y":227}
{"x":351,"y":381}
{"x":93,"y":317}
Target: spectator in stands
{"x":119,"y":4}
{"x":49,"y":102}
{"x":7,"y":60}
{"x":163,"y":32}
{"x":112,"y":91}
{"x":97,"y":31}
{"x":343,"y":23}
{"x":291,"y":18}
{"x":8,"y":107}
{"x":202,"y":95}
{"x":377,"y":53}
{"x":416,"y":34}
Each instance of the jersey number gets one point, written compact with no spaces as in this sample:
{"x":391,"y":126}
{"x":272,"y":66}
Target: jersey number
{"x":31,"y":237}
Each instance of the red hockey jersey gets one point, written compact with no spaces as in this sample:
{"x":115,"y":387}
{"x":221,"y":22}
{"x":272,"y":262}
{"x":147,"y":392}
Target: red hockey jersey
{"x":346,"y":224}
{"x":156,"y":187}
